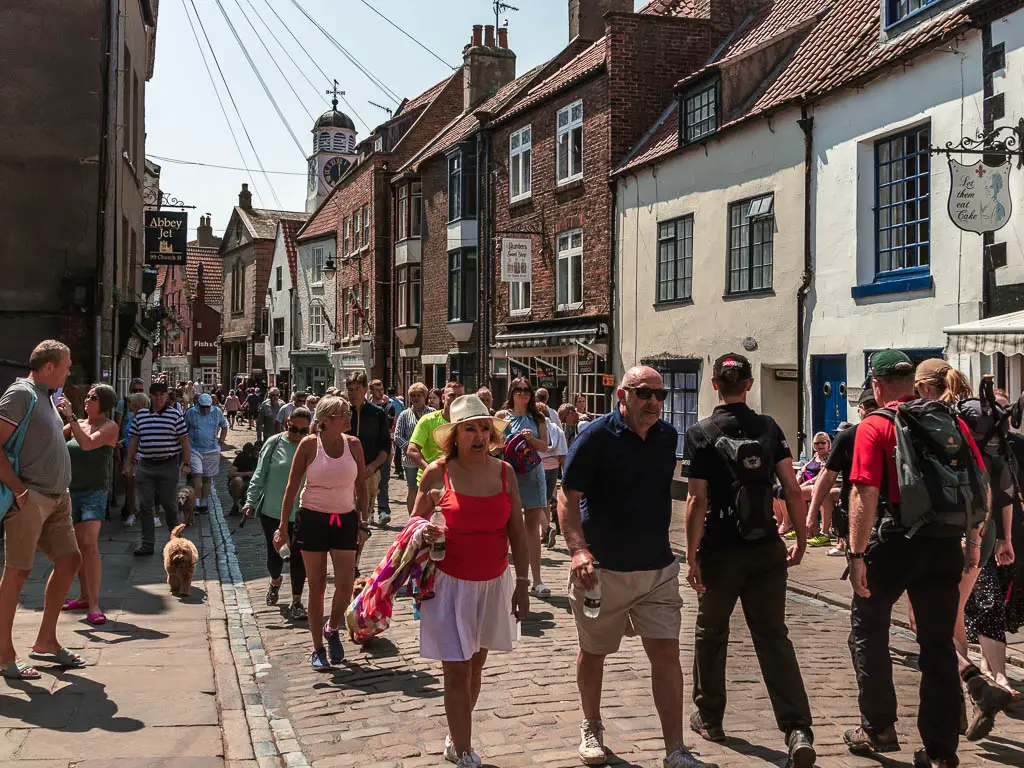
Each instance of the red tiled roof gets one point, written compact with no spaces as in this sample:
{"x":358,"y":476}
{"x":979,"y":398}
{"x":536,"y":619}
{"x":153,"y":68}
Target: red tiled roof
{"x":289,"y":230}
{"x":589,"y":61}
{"x":213,"y":275}
{"x":324,"y":219}
{"x":427,"y":96}
{"x":840,"y":49}
{"x":262,"y":222}
{"x":684,"y":8}
{"x":161,"y":275}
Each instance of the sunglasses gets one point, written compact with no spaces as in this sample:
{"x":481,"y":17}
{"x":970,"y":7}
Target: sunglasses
{"x":521,"y":391}
{"x":298,"y":430}
{"x":92,"y":397}
{"x":646,"y":393}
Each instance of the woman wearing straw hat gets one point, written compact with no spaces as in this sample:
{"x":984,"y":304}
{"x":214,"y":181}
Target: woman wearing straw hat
{"x":476,"y":602}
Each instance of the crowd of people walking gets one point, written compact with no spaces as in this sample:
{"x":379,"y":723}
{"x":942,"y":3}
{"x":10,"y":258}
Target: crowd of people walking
{"x":921,"y":496}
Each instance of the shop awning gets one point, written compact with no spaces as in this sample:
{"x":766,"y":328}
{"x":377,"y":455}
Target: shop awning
{"x":551,"y":336}
{"x":1002,"y":333}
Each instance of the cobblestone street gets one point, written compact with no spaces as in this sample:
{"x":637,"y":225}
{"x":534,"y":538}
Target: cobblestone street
{"x":384,"y":706}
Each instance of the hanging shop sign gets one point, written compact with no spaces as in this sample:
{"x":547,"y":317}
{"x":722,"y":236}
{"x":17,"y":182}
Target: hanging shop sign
{"x":166,"y":237}
{"x":516,"y":259}
{"x":979,"y":196}
{"x":586,"y":360}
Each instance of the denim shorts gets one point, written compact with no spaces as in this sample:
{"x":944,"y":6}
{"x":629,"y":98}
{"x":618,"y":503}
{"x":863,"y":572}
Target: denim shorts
{"x":88,"y":505}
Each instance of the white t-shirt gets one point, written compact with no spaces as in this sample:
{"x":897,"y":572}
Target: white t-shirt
{"x":553,"y":415}
{"x":557,"y":446}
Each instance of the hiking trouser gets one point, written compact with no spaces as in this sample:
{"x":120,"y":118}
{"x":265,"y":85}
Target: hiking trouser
{"x":756,"y":576}
{"x":929,"y":570}
{"x":157,"y":483}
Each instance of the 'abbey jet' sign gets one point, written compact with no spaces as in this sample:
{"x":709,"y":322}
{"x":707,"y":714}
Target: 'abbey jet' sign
{"x":166,"y":237}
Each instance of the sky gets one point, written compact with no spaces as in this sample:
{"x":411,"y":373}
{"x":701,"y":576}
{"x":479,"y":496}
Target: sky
{"x":185,"y":122}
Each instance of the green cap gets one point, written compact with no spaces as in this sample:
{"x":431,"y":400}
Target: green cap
{"x":890,"y":362}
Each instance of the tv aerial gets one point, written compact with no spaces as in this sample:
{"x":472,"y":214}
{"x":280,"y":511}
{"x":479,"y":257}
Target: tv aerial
{"x":499,"y":6}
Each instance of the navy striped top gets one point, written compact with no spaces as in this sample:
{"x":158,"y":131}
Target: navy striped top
{"x":159,"y":433}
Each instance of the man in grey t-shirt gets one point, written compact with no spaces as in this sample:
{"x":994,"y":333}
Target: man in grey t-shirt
{"x":40,"y":517}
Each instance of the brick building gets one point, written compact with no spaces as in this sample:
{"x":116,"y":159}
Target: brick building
{"x":246,"y":253}
{"x":351,"y":233}
{"x":551,"y":155}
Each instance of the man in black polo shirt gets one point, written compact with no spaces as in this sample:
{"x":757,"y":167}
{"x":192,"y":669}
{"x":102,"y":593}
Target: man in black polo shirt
{"x":160,"y":438}
{"x":732,"y":553}
{"x":615,"y":508}
{"x":370,"y":425}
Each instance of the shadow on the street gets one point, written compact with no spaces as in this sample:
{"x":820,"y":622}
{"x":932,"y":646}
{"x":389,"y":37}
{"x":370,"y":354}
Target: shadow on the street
{"x":379,"y":647}
{"x":613,"y":759}
{"x":414,"y":683}
{"x":123,"y":632}
{"x":80,"y":706}
{"x":196,"y":596}
{"x":537,"y":622}
{"x":1000,"y":750}
{"x":742,"y":746}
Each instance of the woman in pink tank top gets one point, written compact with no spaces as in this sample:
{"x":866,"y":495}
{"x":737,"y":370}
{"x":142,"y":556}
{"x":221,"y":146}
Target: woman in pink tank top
{"x":476,"y":602}
{"x":331,"y":463}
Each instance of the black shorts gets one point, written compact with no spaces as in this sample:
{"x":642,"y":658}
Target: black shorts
{"x":323,"y":532}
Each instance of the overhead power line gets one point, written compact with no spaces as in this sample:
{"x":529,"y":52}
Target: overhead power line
{"x":280,"y":45}
{"x":178,"y":161}
{"x":369,"y":75}
{"x":327,"y":78}
{"x":223,"y":109}
{"x":415,"y":40}
{"x":263,"y":83}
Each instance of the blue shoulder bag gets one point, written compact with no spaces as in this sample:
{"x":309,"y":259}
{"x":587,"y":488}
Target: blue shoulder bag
{"x":12,"y":449}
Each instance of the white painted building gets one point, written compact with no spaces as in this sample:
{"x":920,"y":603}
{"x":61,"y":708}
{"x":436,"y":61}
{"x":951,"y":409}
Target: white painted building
{"x":316,"y":316}
{"x":282,"y":307}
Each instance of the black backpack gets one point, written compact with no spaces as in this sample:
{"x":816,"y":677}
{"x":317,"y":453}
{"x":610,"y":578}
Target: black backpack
{"x":940,"y":481}
{"x":749,"y":460}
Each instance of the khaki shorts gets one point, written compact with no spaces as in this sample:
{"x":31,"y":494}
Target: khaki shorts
{"x":372,"y":486}
{"x":633,"y":603}
{"x":43,"y":523}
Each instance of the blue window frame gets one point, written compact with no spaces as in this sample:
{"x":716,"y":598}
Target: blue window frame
{"x":898,"y":10}
{"x":902,"y":203}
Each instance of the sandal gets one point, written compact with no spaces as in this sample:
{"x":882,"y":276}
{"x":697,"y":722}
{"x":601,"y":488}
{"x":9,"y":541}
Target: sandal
{"x":539,"y":590}
{"x":75,"y":604}
{"x":62,"y":658}
{"x":20,"y":670}
{"x":96,"y":619}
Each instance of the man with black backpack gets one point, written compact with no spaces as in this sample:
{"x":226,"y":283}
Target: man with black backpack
{"x":919,"y":486}
{"x":733,"y":551}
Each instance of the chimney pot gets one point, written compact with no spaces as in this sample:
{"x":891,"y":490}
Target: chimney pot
{"x":503,"y":37}
{"x":478,"y":34}
{"x":489,"y":35}
{"x":245,"y":197}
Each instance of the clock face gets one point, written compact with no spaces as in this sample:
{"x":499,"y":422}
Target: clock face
{"x":312,"y":175}
{"x":334,"y":169}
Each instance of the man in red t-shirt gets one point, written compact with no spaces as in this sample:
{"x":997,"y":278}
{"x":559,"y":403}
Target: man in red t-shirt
{"x":927,"y":566}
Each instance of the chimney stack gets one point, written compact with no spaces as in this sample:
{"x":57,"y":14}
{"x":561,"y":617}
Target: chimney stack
{"x":503,"y":37}
{"x":486,"y":67}
{"x":204,"y":235}
{"x":586,"y":17}
{"x":245,"y":198}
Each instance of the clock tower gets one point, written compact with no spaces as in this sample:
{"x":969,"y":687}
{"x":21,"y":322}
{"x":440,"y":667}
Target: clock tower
{"x":334,"y":152}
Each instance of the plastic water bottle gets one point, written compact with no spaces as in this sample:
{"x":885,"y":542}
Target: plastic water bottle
{"x":592,"y":598}
{"x":437,"y":547}
{"x":285,"y":552}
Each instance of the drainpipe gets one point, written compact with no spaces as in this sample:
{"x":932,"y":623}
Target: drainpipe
{"x":612,"y":242}
{"x":99,"y":299}
{"x":483,"y":162}
{"x":806,"y":123}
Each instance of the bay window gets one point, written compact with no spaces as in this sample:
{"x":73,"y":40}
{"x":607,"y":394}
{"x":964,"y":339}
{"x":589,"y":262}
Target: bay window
{"x":462,"y":285}
{"x":409,"y":298}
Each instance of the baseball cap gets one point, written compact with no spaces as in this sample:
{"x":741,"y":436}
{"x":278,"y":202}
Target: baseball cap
{"x":889,"y":362}
{"x":205,"y":401}
{"x":157,"y":386}
{"x":732,"y":367}
{"x":867,"y":394}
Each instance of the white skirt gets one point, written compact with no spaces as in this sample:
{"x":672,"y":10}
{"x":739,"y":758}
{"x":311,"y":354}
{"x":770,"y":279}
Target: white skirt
{"x":464,"y":617}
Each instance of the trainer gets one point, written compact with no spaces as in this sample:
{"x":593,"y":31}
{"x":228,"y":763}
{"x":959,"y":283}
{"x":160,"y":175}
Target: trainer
{"x":615,"y":507}
{"x":204,"y":421}
{"x":730,"y":559}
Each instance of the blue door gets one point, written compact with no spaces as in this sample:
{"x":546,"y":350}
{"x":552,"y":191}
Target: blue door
{"x":828,"y":393}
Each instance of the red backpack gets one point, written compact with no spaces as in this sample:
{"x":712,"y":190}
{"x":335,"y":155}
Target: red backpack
{"x":520,"y":454}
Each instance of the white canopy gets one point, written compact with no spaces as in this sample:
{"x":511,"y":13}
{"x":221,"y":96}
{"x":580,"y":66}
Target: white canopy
{"x":1002,"y":333}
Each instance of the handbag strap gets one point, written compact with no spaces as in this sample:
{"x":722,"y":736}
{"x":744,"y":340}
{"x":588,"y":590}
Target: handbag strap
{"x":14,"y":442}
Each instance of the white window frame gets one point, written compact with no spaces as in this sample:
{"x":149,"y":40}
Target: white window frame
{"x":366,"y":224}
{"x":346,"y":229}
{"x":403,"y":211}
{"x":416,"y":209}
{"x":520,"y":159}
{"x":317,"y":323}
{"x":569,"y":125}
{"x":571,"y":255}
{"x":519,"y":296}
{"x":357,"y":229}
{"x":316,"y":265}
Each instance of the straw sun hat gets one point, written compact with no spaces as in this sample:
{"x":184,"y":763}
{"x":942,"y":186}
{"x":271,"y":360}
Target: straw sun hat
{"x":467,"y":408}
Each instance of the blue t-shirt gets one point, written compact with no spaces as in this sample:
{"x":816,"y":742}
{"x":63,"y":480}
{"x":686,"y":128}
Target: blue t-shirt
{"x":517,"y":424}
{"x":203,"y":429}
{"x":626,"y":484}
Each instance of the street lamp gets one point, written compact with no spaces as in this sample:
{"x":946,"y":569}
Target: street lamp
{"x":329,"y":266}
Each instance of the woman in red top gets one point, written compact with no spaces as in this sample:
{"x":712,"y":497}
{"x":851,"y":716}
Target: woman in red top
{"x":475,"y":607}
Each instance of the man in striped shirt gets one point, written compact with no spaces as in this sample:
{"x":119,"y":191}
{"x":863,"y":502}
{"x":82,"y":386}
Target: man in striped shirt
{"x":160,"y":439}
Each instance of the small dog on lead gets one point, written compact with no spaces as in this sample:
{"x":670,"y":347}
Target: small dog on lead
{"x":187,"y":504}
{"x":180,"y":558}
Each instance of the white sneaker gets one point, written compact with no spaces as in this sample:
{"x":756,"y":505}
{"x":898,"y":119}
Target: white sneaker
{"x":837,"y":552}
{"x":130,"y":522}
{"x":592,"y":742}
{"x":684,"y":758}
{"x":157,"y":523}
{"x":449,"y":754}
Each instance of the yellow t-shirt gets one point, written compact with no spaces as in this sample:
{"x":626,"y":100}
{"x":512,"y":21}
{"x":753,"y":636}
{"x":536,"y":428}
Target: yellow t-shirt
{"x":423,"y":436}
